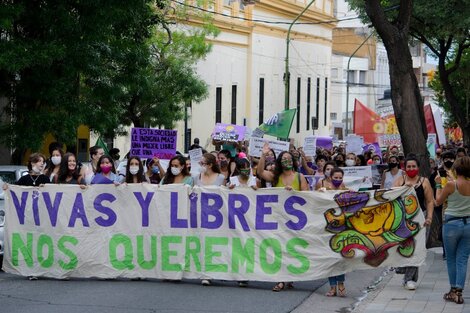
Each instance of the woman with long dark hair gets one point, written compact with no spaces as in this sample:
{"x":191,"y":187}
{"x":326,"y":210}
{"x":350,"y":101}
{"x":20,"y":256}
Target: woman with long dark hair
{"x":177,"y":172}
{"x":68,"y":171}
{"x":135,"y":171}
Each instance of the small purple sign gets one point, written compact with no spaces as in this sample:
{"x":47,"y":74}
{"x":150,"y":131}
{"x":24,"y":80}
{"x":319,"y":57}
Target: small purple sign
{"x":150,"y":142}
{"x":325,"y":142}
{"x":374,"y":147}
{"x":228,"y":132}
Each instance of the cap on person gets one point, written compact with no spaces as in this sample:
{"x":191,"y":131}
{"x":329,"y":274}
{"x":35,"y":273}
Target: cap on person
{"x":196,"y":141}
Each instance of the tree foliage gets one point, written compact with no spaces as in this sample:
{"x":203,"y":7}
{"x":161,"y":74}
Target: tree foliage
{"x":444,"y":27}
{"x":104,"y":64}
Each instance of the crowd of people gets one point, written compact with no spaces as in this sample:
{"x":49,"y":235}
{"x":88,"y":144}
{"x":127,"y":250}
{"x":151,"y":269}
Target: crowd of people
{"x":444,"y":194}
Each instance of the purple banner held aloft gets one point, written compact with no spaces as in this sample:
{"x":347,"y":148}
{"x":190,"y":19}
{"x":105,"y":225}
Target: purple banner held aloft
{"x":228,"y":132}
{"x":150,"y":142}
{"x":374,"y":147}
{"x":325,"y":142}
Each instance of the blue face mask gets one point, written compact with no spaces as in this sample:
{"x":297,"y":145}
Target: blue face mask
{"x":155,"y":170}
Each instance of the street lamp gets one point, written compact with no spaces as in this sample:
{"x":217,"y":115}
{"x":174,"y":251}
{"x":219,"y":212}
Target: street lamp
{"x":286,"y":75}
{"x":347,"y":81}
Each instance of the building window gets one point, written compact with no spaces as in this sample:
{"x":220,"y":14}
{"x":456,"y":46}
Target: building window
{"x":333,"y":116}
{"x":309,"y":85}
{"x":326,"y":100}
{"x":218,"y":105}
{"x":334,"y":73}
{"x":234,"y":105}
{"x":298,"y":103}
{"x":351,"y":76}
{"x":317,"y":108}
{"x":362,"y":77}
{"x":261,"y":101}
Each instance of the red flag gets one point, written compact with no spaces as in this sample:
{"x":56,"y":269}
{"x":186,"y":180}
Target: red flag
{"x":367,"y":123}
{"x":429,"y":118}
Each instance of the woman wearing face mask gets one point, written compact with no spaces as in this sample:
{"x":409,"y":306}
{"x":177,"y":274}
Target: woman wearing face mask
{"x":350,"y":159}
{"x":68,"y":172}
{"x":326,"y":183}
{"x":135,"y":171}
{"x":53,"y":165}
{"x":391,"y":174}
{"x":339,"y":159}
{"x":35,"y":176}
{"x":106,"y":172}
{"x":376,"y":160}
{"x":155,"y":171}
{"x":425,"y":197}
{"x":285,"y":175}
{"x":244,"y":179}
{"x":209,"y":176}
{"x":177,"y":172}
{"x":226,"y":165}
{"x":336,"y":282}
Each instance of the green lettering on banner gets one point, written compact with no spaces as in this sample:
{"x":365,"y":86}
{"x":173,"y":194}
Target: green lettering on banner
{"x":125,"y":263}
{"x":26,"y":249}
{"x":209,"y":254}
{"x":45,"y":240}
{"x":275,"y":266}
{"x":242,"y":255}
{"x":304,"y":261}
{"x":147,"y":265}
{"x":192,"y":252}
{"x":167,"y":253}
{"x":72,"y":264}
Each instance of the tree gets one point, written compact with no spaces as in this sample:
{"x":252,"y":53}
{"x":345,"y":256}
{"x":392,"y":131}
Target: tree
{"x":406,"y":98}
{"x":443,"y":27}
{"x":101,"y":64}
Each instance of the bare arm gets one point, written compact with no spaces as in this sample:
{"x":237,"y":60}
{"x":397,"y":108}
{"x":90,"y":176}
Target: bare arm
{"x":429,"y":196}
{"x":260,"y":171}
{"x":303,"y":183}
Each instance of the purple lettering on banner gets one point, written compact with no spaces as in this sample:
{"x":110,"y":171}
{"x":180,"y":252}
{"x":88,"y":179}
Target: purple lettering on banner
{"x":52,"y":209}
{"x":105,"y":210}
{"x":144,"y":205}
{"x":193,"y":210}
{"x":262,"y":210}
{"x":78,"y":211}
{"x":213,"y":209}
{"x":301,"y":216}
{"x":238,"y":211}
{"x":175,"y":221}
{"x":37,"y":222}
{"x":20,"y":207}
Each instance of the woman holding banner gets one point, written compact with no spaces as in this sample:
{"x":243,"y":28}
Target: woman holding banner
{"x":106,"y":172}
{"x":68,"y":172}
{"x":326,"y":183}
{"x":135,"y":171}
{"x":425,"y":197}
{"x":285,"y":175}
{"x":391,"y":174}
{"x":177,"y":172}
{"x":336,"y":183}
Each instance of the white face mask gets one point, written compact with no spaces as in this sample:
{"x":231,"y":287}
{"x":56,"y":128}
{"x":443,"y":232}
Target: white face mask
{"x":327,"y":173}
{"x":56,"y":160}
{"x":377,"y":162}
{"x":350,"y":162}
{"x":134,"y":169}
{"x":37,"y":169}
{"x":175,"y":171}
{"x":202,"y":169}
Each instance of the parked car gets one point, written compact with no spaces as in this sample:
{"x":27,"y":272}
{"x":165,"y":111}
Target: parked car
{"x":8,"y":174}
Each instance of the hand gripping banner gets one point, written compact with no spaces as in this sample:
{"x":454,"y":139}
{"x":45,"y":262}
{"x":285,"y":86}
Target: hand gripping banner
{"x":174,"y":232}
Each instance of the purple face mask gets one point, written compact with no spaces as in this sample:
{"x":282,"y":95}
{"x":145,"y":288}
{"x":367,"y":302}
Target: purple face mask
{"x":336,"y":182}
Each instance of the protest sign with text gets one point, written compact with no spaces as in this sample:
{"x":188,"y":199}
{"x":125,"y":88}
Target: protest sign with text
{"x":150,"y":142}
{"x":174,"y":232}
{"x":256,"y":146}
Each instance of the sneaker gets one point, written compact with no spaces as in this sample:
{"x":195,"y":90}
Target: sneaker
{"x":206,"y":282}
{"x":243,"y":283}
{"x":410,"y":285}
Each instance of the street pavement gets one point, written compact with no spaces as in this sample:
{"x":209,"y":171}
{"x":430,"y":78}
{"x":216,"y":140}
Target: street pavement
{"x":369,"y":291}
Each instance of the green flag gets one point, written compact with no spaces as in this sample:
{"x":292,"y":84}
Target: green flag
{"x":100,"y":143}
{"x":280,"y":124}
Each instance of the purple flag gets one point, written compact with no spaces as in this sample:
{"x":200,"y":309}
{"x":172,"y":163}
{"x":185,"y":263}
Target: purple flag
{"x":374,"y":147}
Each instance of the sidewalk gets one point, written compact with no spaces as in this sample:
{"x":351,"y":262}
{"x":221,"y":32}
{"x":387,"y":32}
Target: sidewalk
{"x":380,"y":291}
{"x":390,"y":296}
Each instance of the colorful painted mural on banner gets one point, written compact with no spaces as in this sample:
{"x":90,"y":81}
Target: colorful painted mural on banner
{"x":372,"y":229}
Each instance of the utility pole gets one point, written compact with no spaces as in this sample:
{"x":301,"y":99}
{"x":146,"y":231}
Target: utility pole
{"x":286,"y":75}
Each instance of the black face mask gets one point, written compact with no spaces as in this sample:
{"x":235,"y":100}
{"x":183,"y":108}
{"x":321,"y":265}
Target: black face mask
{"x":448,"y":164}
{"x":392,"y":165}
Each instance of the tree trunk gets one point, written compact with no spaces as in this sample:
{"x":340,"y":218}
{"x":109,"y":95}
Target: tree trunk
{"x":406,"y":98}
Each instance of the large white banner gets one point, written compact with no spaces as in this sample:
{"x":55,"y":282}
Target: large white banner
{"x":173,"y":231}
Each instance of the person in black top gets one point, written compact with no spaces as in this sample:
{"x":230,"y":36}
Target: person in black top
{"x":35,"y":176}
